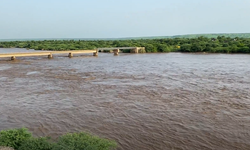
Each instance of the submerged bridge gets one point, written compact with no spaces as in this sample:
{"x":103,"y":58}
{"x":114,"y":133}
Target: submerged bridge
{"x":50,"y":54}
{"x":116,"y":50}
{"x":47,"y":53}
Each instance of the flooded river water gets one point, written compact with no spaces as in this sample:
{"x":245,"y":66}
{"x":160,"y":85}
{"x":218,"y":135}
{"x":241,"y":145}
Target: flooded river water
{"x":142,"y":101}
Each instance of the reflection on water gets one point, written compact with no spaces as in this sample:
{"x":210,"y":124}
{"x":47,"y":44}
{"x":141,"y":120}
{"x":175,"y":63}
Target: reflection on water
{"x":143,"y":101}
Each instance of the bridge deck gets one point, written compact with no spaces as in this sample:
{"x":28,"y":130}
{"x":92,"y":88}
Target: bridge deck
{"x":112,"y":48}
{"x":45,"y":53}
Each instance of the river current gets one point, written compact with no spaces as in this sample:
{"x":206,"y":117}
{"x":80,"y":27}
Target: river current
{"x":169,"y":101}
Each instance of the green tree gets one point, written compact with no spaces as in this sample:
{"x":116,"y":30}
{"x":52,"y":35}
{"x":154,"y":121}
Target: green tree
{"x":14,"y":137}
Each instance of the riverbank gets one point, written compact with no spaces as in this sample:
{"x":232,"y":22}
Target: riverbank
{"x":220,"y":44}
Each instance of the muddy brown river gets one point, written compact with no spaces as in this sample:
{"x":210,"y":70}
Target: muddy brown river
{"x":168,"y":101}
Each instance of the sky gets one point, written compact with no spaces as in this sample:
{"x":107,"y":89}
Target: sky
{"x":22,"y":19}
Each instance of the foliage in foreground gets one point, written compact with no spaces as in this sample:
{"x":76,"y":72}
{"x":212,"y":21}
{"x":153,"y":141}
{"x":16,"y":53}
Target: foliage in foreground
{"x":14,"y":138}
{"x":22,"y":139}
{"x":80,"y":141}
{"x":37,"y":144}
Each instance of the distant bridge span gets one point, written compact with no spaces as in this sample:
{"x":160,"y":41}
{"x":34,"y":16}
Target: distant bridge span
{"x":115,"y":50}
{"x":47,"y":53}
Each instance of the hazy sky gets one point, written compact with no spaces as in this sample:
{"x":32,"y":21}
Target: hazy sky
{"x":121,"y":18}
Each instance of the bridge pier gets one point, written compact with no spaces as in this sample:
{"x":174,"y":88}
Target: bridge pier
{"x":95,"y":54}
{"x":13,"y":58}
{"x":70,"y":55}
{"x":116,"y":52}
{"x":135,"y":50}
{"x":50,"y":56}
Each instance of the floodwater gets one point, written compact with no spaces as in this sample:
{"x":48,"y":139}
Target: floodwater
{"x":142,"y":101}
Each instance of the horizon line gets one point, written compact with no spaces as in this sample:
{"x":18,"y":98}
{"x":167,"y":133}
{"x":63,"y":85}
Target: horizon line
{"x":123,"y":37}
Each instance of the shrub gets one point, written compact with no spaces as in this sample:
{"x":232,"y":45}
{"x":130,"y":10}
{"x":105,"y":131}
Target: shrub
{"x":37,"y":144}
{"x":14,"y":138}
{"x":83,"y":141}
{"x":21,"y":139}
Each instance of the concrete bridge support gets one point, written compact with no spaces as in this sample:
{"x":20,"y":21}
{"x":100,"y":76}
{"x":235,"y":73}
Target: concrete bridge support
{"x":13,"y":58}
{"x":70,"y":55}
{"x":138,"y":50}
{"x":135,"y":50}
{"x":95,"y":53}
{"x":50,"y":56}
{"x":116,"y":52}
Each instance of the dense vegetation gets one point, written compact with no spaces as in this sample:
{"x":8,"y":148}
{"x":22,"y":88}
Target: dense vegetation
{"x":220,"y":44}
{"x":22,"y":139}
{"x":231,"y":35}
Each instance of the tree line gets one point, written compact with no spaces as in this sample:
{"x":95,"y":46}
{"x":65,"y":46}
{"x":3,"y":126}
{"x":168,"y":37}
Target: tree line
{"x":221,"y":44}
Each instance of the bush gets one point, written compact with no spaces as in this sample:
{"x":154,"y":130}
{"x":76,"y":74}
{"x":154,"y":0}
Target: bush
{"x":37,"y":144}
{"x":163,"y":48}
{"x":21,"y":139}
{"x":14,"y":138}
{"x":83,"y":141}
